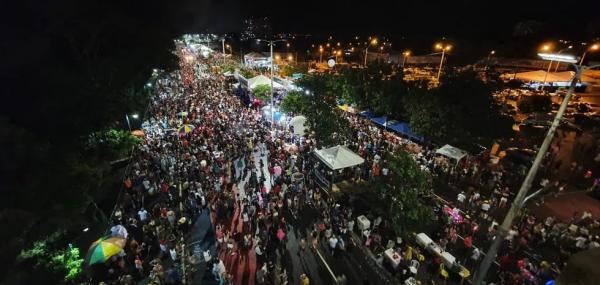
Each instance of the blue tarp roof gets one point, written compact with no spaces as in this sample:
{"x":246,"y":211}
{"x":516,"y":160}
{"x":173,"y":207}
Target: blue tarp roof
{"x":399,"y":127}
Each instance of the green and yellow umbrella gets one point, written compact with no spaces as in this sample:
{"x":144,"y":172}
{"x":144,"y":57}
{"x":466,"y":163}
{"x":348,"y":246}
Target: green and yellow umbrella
{"x":185,"y":129}
{"x":103,"y":249}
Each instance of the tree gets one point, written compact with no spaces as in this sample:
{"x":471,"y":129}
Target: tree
{"x":403,"y":191}
{"x":262,"y":92}
{"x":79,"y":70}
{"x":379,"y":88}
{"x":319,"y":106}
{"x":294,"y":102}
{"x":290,"y":69}
{"x":427,"y":116}
{"x":474,"y":110}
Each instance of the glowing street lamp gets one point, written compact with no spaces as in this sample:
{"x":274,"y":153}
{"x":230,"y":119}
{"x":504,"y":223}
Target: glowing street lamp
{"x":594,"y":47}
{"x":133,"y":116}
{"x":444,"y":48}
{"x":405,"y":55}
{"x":374,"y":43}
{"x":321,"y":54}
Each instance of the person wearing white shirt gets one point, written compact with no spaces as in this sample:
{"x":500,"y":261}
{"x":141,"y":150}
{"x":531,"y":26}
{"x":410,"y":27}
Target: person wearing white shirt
{"x":333,"y":243}
{"x":143,"y":214}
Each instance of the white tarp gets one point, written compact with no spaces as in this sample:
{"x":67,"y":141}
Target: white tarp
{"x":298,"y":123}
{"x":339,"y":157}
{"x":262,"y":80}
{"x":451,"y":152}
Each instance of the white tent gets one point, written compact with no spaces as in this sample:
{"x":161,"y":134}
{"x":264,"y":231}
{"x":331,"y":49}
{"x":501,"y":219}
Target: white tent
{"x":298,"y":123}
{"x":451,"y":152}
{"x":261,"y":80}
{"x":339,"y":157}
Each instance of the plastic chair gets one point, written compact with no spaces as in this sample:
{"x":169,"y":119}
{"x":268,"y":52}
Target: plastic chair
{"x":443,"y":272}
{"x":414,"y":266}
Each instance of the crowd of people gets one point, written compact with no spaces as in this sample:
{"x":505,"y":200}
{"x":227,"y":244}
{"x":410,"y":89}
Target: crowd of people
{"x":206,"y":153}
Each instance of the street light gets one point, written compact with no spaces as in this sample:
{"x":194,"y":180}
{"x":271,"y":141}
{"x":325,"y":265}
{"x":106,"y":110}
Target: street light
{"x":594,"y":47}
{"x":321,"y":53}
{"x":271,"y":43}
{"x":373,"y":42}
{"x":405,"y":55}
{"x":547,"y":48}
{"x":133,"y":116}
{"x":444,"y":48}
{"x":520,"y":199}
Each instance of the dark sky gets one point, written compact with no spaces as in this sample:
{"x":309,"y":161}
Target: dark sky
{"x":470,"y":19}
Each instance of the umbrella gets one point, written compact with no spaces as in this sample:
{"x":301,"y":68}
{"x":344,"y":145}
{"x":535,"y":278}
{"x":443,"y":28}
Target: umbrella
{"x":182,"y":114}
{"x":138,"y":133}
{"x":185,"y":129}
{"x":103,"y":249}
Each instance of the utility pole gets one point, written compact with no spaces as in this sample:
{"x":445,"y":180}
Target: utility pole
{"x":517,"y":204}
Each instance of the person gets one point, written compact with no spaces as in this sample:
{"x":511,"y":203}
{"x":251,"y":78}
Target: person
{"x":304,"y":279}
{"x":461,"y":197}
{"x":333,"y":241}
{"x":475,"y":255}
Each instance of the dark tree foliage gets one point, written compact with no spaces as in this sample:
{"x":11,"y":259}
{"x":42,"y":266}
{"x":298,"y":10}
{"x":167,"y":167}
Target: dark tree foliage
{"x":379,"y":88}
{"x":319,"y":107}
{"x":70,"y":69}
{"x":474,"y":109}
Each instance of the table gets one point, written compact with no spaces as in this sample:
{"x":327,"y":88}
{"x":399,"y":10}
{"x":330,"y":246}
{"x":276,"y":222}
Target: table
{"x":393,"y":257}
{"x":363,"y":223}
{"x":448,"y":258}
{"x":426,"y":242}
{"x":423,"y":240}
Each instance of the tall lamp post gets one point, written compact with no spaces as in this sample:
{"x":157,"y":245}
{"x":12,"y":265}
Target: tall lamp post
{"x":133,"y":116}
{"x":405,"y":55}
{"x":271,"y":43}
{"x":546,"y":48}
{"x":320,"y":54}
{"x":594,"y":47}
{"x":444,"y":48}
{"x":520,"y":199}
{"x":373,"y":42}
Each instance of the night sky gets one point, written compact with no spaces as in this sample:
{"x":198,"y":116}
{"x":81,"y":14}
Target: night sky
{"x":468,"y":19}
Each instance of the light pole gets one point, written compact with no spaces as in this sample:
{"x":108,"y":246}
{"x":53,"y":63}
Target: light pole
{"x":320,"y":54}
{"x":444,"y":48}
{"x":133,"y":116}
{"x":271,"y":43}
{"x":373,"y":42}
{"x":546,"y":48}
{"x":405,"y":55}
{"x":594,"y":47}
{"x":520,"y":199}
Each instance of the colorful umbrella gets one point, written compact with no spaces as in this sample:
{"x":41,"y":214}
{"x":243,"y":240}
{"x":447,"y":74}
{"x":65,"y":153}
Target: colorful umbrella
{"x":182,"y":114}
{"x":185,"y":129}
{"x":103,"y":249}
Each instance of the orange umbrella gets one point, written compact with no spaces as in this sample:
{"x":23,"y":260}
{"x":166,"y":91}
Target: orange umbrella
{"x":138,"y":133}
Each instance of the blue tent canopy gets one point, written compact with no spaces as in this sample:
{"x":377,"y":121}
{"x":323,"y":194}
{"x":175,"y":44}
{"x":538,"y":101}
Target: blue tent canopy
{"x":382,"y":121}
{"x":396,"y":126}
{"x":404,"y":129}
